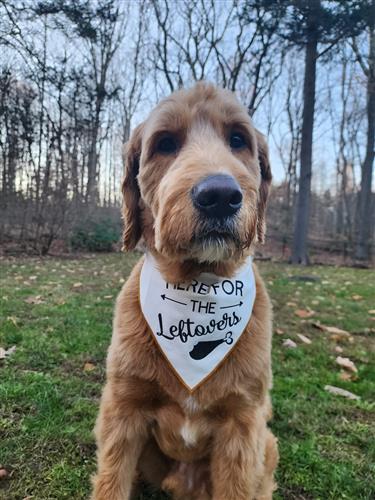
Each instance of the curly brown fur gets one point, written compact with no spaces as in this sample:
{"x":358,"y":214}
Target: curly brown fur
{"x":230,"y":453}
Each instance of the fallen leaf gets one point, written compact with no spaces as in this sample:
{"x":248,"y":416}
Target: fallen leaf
{"x":304,"y":339}
{"x":3,"y":473}
{"x":279,"y":331}
{"x":346,"y":376}
{"x":371,"y":311}
{"x":337,"y":331}
{"x":77,"y":285}
{"x":357,"y":297}
{"x":331,"y":329}
{"x":34,"y":300}
{"x":338,"y":338}
{"x":347,"y":364}
{"x":337,"y":391}
{"x":33,"y":278}
{"x":339,"y":349}
{"x":6,"y":352}
{"x":108,"y":297}
{"x":88,"y":367}
{"x":13,"y":320}
{"x":303,"y":313}
{"x":289,"y":343}
{"x":291,"y":304}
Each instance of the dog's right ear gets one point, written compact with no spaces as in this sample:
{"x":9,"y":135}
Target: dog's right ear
{"x":130,"y":190}
{"x":266,"y":178}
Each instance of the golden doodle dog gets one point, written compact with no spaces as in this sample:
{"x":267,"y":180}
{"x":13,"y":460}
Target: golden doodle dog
{"x":197,"y":177}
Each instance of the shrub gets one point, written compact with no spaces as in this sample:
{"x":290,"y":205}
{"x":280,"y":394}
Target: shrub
{"x":95,"y":236}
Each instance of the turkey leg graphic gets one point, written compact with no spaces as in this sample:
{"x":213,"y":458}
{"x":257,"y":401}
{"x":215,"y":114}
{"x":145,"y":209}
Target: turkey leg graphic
{"x":204,"y":348}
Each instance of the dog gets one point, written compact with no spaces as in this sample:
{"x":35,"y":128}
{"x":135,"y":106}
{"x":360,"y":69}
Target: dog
{"x":197,"y":178}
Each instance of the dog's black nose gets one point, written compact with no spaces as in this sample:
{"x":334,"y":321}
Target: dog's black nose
{"x":217,"y":196}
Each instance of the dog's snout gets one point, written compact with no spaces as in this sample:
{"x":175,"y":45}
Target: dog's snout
{"x":217,"y":196}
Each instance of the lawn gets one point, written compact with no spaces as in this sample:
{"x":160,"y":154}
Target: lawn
{"x":57,"y":312}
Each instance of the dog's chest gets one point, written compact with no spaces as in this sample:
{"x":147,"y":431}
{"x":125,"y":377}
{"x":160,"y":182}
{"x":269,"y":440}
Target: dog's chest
{"x":182,"y":431}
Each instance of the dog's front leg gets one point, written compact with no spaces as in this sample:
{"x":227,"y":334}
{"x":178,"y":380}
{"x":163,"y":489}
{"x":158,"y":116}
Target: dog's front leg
{"x":121,"y":432}
{"x":237,"y":461}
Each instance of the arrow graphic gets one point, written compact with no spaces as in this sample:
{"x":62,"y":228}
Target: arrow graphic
{"x":164,"y":297}
{"x":234,"y":305}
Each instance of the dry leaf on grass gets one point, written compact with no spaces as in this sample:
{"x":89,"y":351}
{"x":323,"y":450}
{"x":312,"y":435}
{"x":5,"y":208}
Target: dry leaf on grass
{"x":304,"y":313}
{"x":341,"y":338}
{"x":108,"y":297}
{"x":304,"y":339}
{"x":357,"y":297}
{"x":331,"y":329}
{"x":6,"y":352}
{"x":339,"y":349}
{"x":77,"y":285}
{"x":371,"y":311}
{"x":291,"y":304}
{"x":3,"y":473}
{"x":13,"y":320}
{"x":347,"y":364}
{"x":289,"y":343}
{"x":346,"y":376}
{"x":337,"y":391}
{"x":88,"y":367}
{"x":279,"y":331}
{"x":35,"y":300}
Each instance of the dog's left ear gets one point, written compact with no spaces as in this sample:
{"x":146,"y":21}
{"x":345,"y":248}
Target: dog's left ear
{"x":266,"y":177}
{"x":130,"y":190}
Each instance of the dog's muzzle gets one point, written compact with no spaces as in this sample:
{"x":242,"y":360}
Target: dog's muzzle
{"x":217,"y":196}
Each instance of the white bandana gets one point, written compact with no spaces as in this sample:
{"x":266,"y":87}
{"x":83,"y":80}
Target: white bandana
{"x":196,"y":324}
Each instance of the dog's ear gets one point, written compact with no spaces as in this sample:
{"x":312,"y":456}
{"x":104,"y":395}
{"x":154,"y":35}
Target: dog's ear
{"x":266,"y":177}
{"x":130,"y":190}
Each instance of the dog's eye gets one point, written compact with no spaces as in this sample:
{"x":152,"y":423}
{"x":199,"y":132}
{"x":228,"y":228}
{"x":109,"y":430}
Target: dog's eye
{"x":167,"y":145}
{"x":237,"y":141}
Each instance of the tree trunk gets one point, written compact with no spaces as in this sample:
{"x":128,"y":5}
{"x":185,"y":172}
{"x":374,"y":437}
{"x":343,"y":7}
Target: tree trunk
{"x":299,"y":255}
{"x":362,"y":247}
{"x":92,"y":194}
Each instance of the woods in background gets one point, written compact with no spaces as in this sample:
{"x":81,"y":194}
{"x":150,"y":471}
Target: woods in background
{"x":77,"y":76}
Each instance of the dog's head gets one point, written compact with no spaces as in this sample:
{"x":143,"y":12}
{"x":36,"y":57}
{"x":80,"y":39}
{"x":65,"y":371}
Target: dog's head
{"x":197,"y":177}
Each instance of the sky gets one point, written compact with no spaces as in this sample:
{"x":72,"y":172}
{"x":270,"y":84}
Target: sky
{"x":270,"y":117}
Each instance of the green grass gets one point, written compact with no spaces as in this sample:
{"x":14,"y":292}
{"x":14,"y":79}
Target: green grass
{"x":48,"y":401}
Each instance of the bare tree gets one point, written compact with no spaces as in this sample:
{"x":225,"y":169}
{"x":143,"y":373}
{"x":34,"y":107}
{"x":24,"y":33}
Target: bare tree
{"x":288,"y":142}
{"x":367,"y":64}
{"x":230,"y":43}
